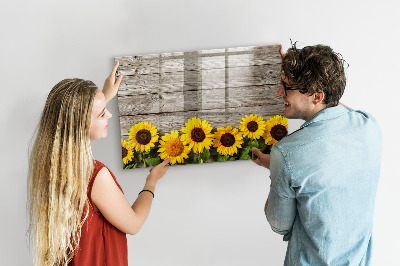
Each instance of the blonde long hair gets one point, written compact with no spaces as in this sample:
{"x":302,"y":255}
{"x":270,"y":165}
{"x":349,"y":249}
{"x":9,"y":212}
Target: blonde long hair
{"x":60,"y":167}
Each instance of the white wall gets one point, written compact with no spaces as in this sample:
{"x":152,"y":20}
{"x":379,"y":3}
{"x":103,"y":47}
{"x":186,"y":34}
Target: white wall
{"x":202,"y":215}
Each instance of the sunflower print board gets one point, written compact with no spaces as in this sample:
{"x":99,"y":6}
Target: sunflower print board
{"x":200,"y":106}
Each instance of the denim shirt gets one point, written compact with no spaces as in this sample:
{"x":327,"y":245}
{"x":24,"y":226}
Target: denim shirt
{"x":324,"y":178}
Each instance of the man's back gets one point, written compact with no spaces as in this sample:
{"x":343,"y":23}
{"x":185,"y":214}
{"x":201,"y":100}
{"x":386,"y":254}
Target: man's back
{"x":328,"y":171}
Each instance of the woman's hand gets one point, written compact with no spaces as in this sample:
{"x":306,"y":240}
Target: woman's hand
{"x":158,"y":171}
{"x":111,"y":85}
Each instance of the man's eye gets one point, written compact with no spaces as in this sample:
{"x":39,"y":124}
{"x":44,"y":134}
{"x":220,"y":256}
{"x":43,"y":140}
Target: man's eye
{"x":103,"y":114}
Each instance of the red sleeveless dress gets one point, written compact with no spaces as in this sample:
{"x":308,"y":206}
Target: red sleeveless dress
{"x":101,"y":243}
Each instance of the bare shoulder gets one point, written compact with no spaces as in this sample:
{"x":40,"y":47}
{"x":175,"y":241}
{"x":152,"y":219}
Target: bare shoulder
{"x":104,"y":175}
{"x":111,"y":202}
{"x":103,"y":185}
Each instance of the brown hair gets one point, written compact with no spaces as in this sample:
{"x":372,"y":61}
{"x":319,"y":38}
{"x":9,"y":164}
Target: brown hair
{"x":60,"y":167}
{"x":316,"y":69}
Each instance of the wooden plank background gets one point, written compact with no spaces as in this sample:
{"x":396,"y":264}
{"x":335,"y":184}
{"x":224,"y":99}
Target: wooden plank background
{"x":218,"y":85}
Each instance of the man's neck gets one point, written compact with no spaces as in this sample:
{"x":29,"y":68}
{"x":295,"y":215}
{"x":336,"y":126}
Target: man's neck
{"x":318,"y":108}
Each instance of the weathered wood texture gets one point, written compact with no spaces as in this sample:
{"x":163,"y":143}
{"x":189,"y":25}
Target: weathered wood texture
{"x":219,"y":85}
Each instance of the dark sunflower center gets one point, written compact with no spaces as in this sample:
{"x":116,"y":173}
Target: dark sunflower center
{"x":198,"y":134}
{"x":143,"y":136}
{"x":252,"y":126}
{"x":124,"y":152}
{"x":227,"y":139}
{"x":278,"y":132}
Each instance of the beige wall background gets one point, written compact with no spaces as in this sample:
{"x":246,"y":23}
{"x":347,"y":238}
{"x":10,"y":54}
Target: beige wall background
{"x":202,"y":215}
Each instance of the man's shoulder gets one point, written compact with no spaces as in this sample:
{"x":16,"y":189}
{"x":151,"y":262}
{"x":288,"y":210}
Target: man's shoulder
{"x":351,"y":124}
{"x":365,"y":116}
{"x":293,"y":142}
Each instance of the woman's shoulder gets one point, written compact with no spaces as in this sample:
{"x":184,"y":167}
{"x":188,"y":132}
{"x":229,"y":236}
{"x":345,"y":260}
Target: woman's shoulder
{"x":101,"y":168}
{"x":97,"y":167}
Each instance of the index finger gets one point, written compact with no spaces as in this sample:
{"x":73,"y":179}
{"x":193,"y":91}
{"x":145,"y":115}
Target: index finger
{"x":281,"y":52}
{"x":256,"y":152}
{"x":165,"y":162}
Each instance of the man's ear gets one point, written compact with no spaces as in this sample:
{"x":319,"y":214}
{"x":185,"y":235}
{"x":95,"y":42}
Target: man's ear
{"x":318,"y":97}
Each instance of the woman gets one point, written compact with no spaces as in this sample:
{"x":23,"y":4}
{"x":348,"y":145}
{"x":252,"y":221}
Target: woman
{"x":78,"y":212}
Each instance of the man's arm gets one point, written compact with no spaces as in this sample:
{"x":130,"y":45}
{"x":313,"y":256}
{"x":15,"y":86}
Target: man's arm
{"x":280,"y":208}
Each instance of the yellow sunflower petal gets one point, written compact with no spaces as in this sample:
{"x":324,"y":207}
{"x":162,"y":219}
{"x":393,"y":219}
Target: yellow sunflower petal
{"x":127,"y":152}
{"x":197,"y":134}
{"x":173,"y":147}
{"x":143,"y":135}
{"x":252,"y":126}
{"x":276,"y":129}
{"x":226,"y":140}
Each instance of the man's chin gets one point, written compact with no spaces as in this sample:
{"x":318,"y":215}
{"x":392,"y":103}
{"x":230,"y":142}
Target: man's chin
{"x":288,"y":114}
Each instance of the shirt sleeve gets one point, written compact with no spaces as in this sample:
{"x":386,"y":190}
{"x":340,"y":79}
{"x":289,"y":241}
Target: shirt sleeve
{"x":281,"y":210}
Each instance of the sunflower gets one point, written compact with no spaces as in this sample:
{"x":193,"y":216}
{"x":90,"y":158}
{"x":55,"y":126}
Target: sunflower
{"x":276,"y":129}
{"x":143,"y":135}
{"x":227,"y":140}
{"x":197,"y":134}
{"x":252,"y":126}
{"x":171,"y":146}
{"x":127,"y":151}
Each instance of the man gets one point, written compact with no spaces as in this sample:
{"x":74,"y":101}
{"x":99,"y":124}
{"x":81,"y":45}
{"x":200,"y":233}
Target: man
{"x":323,"y":176}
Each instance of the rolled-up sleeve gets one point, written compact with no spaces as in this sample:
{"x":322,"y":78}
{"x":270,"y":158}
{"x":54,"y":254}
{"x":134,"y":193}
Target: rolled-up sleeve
{"x":281,"y":210}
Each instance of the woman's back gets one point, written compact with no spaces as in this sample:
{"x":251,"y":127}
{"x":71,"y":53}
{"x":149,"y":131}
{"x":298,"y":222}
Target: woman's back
{"x":101,"y":243}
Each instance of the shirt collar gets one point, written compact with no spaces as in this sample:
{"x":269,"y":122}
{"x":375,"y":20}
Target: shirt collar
{"x":326,"y":114}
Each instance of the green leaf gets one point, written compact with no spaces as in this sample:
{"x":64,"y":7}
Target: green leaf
{"x":139,"y":157}
{"x":131,"y":165}
{"x":261,"y":144}
{"x":194,"y":160}
{"x":205,"y":155}
{"x":253,"y":143}
{"x":231,"y":158}
{"x":244,"y":157}
{"x":244,"y":154}
{"x":153,"y":161}
{"x":221,"y":158}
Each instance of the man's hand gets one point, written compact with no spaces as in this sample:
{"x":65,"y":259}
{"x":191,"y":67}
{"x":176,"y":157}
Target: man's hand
{"x":282,"y":52}
{"x":263,"y":159}
{"x":111,"y":85}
